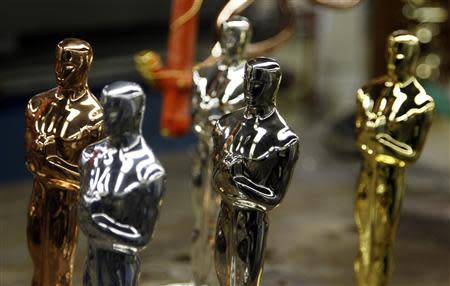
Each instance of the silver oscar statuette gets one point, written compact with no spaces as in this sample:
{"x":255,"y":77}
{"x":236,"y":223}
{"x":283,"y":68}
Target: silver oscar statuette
{"x":218,"y":90}
{"x":122,"y":184}
{"x":253,"y":160}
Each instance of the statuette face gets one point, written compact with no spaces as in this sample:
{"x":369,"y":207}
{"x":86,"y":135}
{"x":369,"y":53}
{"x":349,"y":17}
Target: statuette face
{"x":122,"y":184}
{"x":218,"y":90}
{"x":74,"y":61}
{"x":254,"y":156}
{"x":59,"y":124}
{"x":393,"y":116}
{"x":235,"y":34}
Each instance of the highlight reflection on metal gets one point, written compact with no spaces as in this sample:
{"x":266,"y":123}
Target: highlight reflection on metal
{"x":254,"y":156}
{"x":122,"y":184}
{"x":233,"y":7}
{"x":338,"y":4}
{"x":59,"y":124}
{"x":393,"y":116}
{"x":218,"y":90}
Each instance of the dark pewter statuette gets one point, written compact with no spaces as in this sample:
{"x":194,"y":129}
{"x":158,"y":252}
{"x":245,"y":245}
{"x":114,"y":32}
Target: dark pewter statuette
{"x":254,"y":157}
{"x":122,"y":184}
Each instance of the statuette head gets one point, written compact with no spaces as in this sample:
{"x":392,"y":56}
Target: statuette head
{"x":261,"y":81}
{"x":234,"y":35}
{"x":402,"y":53}
{"x":123,"y":104}
{"x":72,"y":63}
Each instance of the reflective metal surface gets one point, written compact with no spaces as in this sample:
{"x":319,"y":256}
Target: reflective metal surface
{"x":254,"y":156}
{"x":234,"y":7}
{"x":218,"y":90}
{"x":122,"y":184}
{"x":393,"y":116}
{"x":338,"y":4}
{"x":219,"y":87}
{"x":59,"y":124}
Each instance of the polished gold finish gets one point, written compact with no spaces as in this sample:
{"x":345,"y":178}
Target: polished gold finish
{"x":60,"y":123}
{"x":393,"y":116}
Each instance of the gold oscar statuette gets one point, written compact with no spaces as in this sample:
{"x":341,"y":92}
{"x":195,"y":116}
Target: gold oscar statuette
{"x":393,"y":116}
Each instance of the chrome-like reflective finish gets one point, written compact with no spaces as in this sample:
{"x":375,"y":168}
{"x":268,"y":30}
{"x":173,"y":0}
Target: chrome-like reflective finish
{"x":122,"y":184}
{"x":393,"y":116}
{"x":59,"y":124}
{"x":254,"y":156}
{"x":218,"y":90}
{"x":262,"y":47}
{"x":338,"y":4}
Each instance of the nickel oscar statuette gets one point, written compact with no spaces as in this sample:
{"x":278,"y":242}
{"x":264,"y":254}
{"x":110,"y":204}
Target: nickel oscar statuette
{"x":254,"y":156}
{"x":122,"y":184}
{"x":218,"y":90}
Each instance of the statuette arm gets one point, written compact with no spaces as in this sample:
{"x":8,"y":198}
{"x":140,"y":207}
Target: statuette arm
{"x":103,"y":226}
{"x":270,"y":191}
{"x":196,"y":91}
{"x":411,"y":150}
{"x":64,"y":166}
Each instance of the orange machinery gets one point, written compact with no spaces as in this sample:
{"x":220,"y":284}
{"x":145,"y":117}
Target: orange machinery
{"x":175,"y":78}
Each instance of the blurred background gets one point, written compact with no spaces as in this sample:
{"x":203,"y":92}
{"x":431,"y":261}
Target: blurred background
{"x":312,"y":240}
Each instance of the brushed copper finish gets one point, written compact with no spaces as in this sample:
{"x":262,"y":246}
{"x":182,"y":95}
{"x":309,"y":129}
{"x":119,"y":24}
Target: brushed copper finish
{"x":60,"y":123}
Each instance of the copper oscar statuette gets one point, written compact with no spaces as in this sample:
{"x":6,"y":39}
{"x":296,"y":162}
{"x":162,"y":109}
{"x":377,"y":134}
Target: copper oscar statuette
{"x":59,"y":123}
